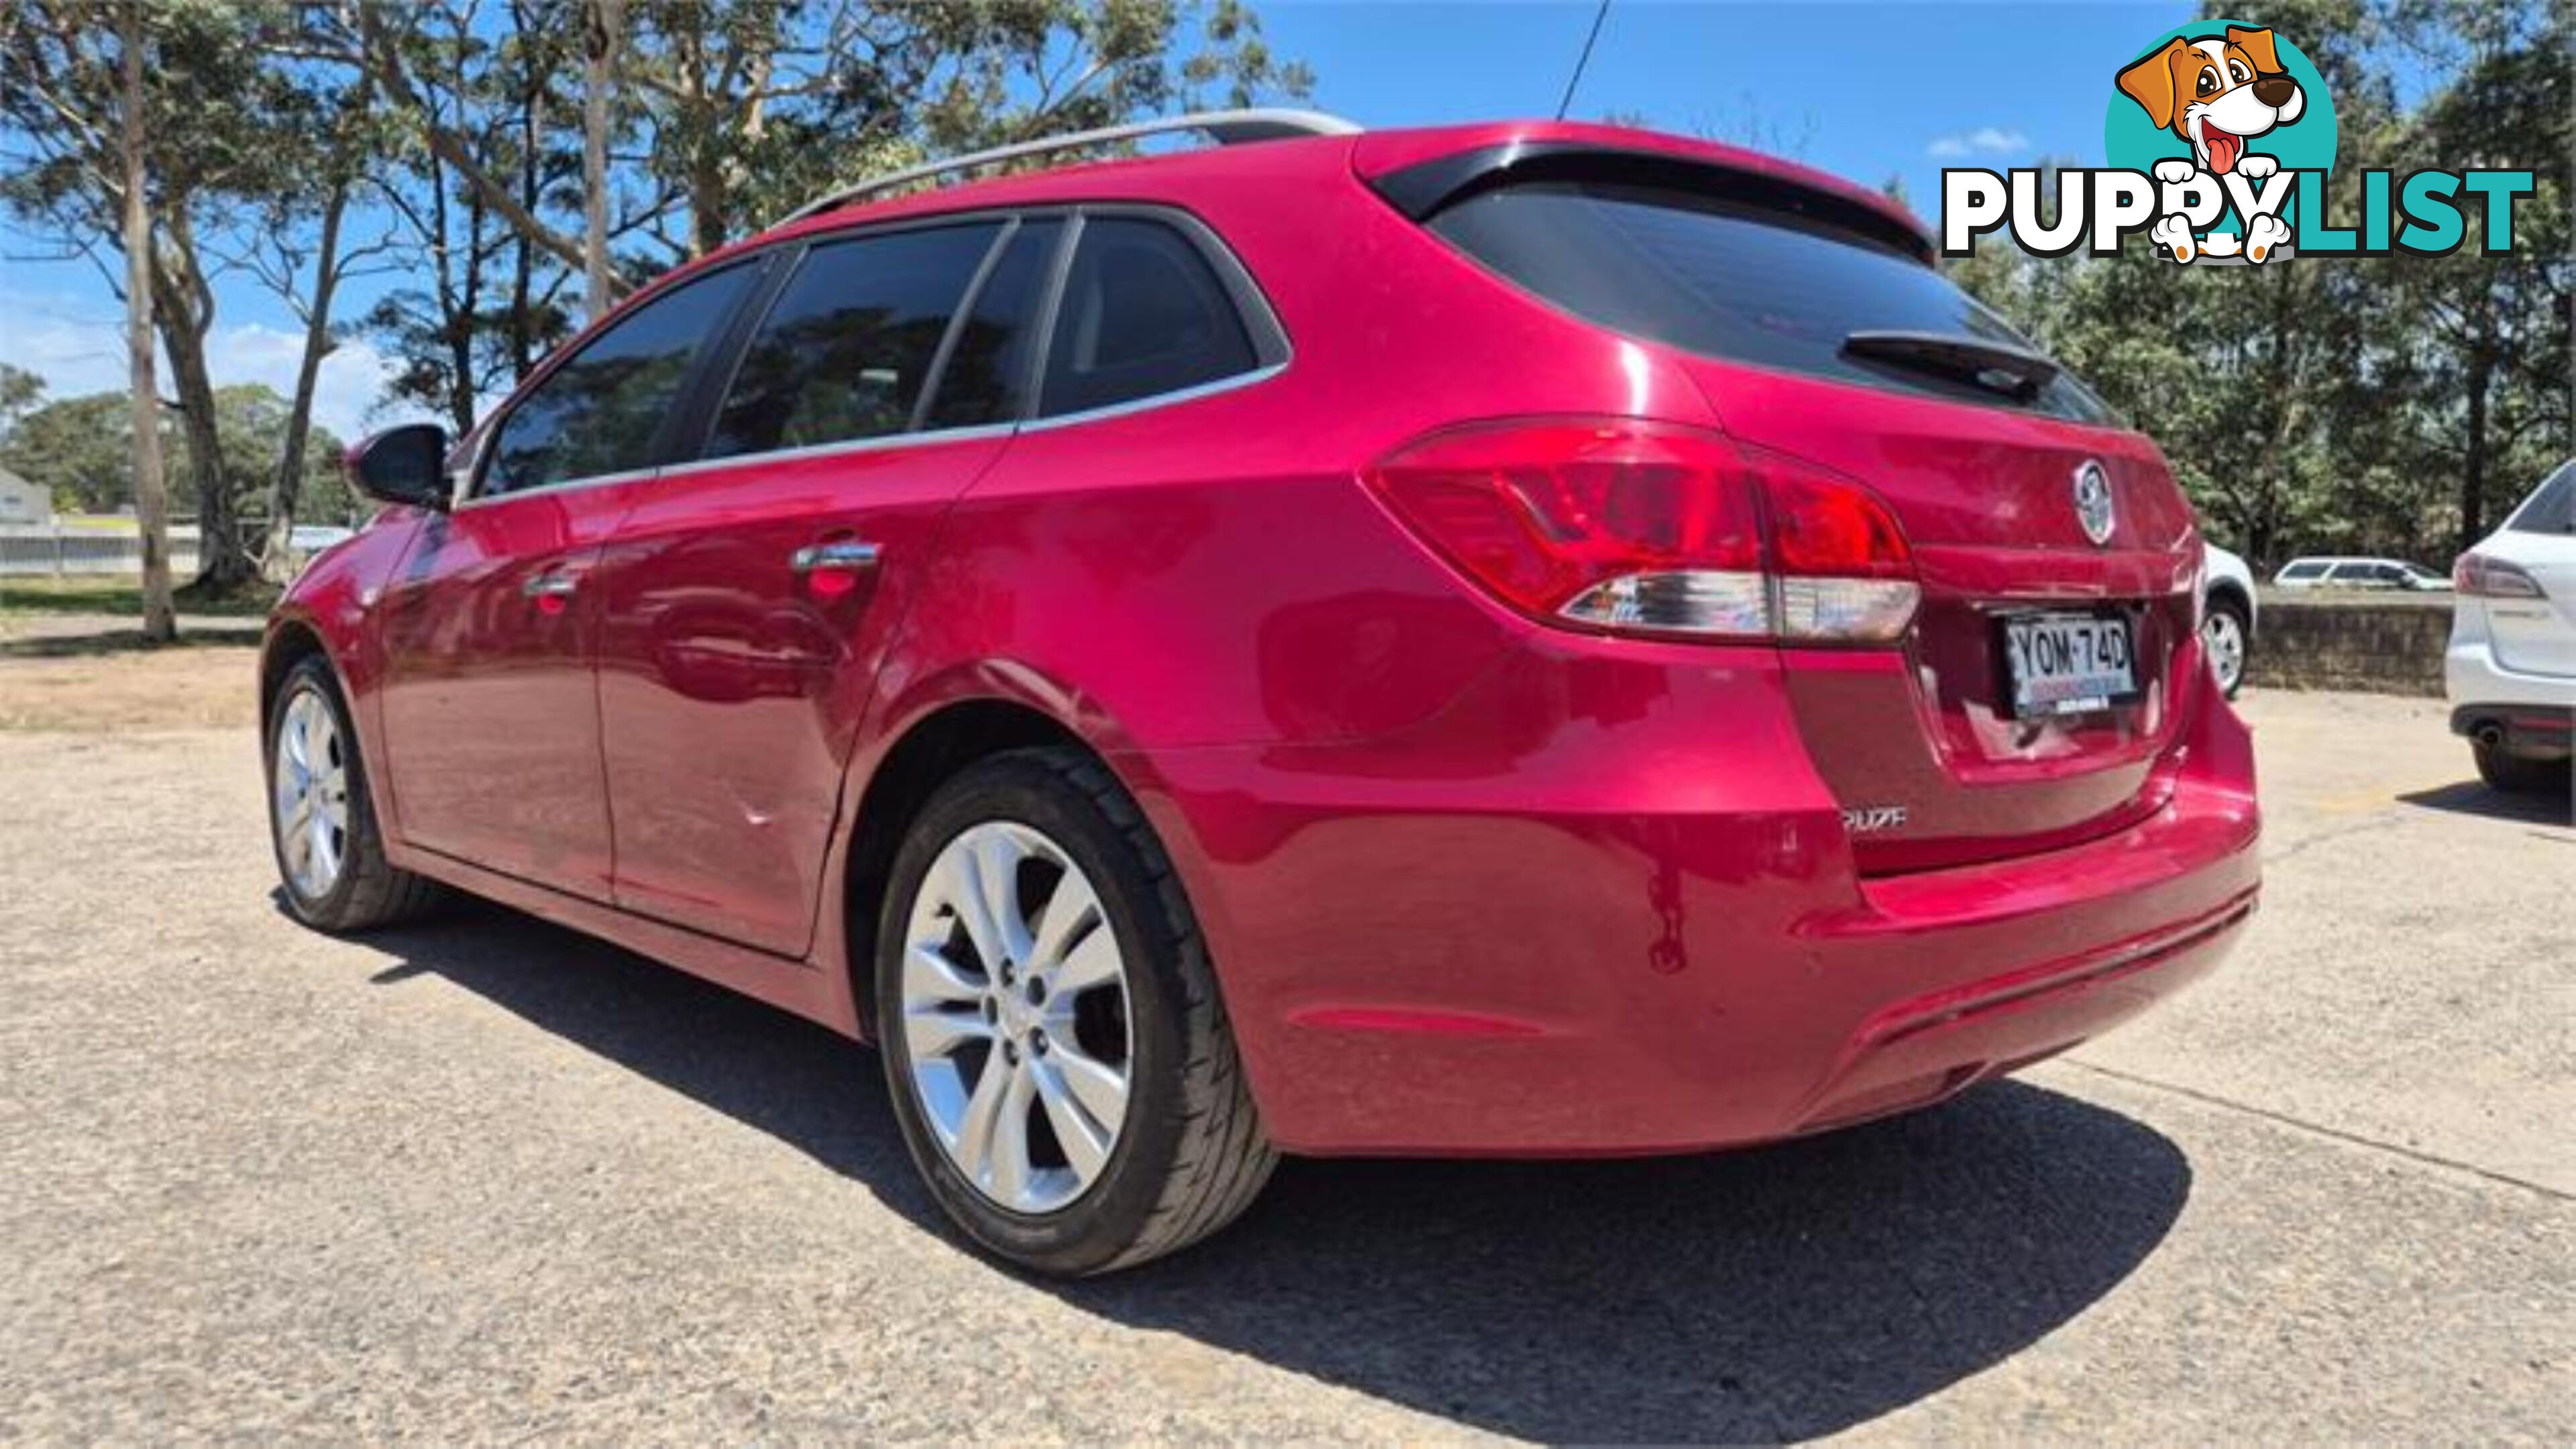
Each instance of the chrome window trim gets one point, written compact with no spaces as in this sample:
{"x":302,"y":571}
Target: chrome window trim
{"x":561,"y":485}
{"x":1192,"y":393}
{"x":878,"y":444}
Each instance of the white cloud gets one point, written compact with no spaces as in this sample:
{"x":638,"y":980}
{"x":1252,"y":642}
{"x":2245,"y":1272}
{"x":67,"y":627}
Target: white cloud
{"x":348,"y":392}
{"x":1983,"y":141}
{"x":79,"y":348}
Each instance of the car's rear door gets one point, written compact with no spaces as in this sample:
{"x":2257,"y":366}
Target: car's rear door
{"x":748,"y":596}
{"x":490,"y":624}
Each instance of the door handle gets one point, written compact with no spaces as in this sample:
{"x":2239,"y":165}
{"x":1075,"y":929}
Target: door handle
{"x":551,"y":586}
{"x":847,"y":556}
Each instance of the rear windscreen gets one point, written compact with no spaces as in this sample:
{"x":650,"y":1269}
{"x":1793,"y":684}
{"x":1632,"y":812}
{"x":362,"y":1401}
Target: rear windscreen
{"x":1726,"y":280}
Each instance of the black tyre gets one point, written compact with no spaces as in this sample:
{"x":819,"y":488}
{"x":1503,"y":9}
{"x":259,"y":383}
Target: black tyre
{"x":2227,"y":634}
{"x":321,"y":820}
{"x":1052,"y":1033}
{"x":2521,"y":774}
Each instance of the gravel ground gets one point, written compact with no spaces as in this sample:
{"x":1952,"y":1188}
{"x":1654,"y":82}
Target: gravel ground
{"x":484,"y":1179}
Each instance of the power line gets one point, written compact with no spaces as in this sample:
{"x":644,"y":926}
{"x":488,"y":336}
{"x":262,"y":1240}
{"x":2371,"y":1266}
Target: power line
{"x":1582,"y":60}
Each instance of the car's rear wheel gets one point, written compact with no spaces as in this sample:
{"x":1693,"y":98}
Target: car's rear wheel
{"x":2227,"y":635}
{"x":1052,"y":1033}
{"x":2521,"y":774}
{"x":322,"y":822}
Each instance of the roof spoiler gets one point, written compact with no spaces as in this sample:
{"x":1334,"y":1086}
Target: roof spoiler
{"x":1426,"y":188}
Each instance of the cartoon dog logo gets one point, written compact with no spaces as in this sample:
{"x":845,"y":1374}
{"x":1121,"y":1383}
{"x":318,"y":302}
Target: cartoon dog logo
{"x":2217,"y":93}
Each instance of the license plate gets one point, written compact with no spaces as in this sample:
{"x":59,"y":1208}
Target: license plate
{"x":2058,"y":664}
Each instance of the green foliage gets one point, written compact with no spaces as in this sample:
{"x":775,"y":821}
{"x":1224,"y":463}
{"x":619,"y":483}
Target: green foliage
{"x":20,"y":391}
{"x":79,"y":447}
{"x":2324,"y":404}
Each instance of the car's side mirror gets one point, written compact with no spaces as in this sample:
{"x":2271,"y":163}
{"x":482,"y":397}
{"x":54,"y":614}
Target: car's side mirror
{"x":406,"y":465}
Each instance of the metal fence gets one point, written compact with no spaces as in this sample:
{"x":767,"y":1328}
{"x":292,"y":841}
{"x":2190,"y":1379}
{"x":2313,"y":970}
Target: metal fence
{"x":47,"y":550}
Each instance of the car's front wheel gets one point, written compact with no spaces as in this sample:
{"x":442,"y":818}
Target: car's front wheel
{"x":330,"y":845}
{"x":1051,"y":1029}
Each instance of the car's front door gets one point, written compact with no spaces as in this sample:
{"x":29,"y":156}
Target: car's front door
{"x":748,"y":597}
{"x":490,"y":625}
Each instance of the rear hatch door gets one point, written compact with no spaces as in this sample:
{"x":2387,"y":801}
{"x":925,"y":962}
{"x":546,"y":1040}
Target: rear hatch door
{"x":2537,"y":636}
{"x":1817,"y":328}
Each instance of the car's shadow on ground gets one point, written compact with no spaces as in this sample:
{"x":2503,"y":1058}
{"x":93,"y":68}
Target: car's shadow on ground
{"x":2471,"y":797}
{"x":1772,"y":1294}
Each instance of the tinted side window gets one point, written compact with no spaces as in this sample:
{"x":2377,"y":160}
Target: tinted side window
{"x":2303,"y":571}
{"x":1142,"y":315}
{"x":597,"y":413}
{"x":845,"y":351}
{"x":2553,"y":508}
{"x":987,"y":376}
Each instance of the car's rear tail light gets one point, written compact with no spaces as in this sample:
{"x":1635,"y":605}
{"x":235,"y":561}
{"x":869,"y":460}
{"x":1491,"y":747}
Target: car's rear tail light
{"x":1650,"y":528}
{"x":2492,"y":578}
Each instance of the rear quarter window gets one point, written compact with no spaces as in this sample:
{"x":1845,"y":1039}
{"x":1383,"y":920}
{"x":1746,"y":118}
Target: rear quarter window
{"x":2552,"y":507}
{"x":1734,"y":281}
{"x":2299,"y":571}
{"x":1143,"y":315}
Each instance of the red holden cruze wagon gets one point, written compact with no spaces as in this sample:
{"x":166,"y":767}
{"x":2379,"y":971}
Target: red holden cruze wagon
{"x":1505,"y":640}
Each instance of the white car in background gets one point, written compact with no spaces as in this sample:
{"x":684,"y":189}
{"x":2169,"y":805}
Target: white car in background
{"x":2226,"y":615}
{"x":2511,"y":670}
{"x":2358,"y":573}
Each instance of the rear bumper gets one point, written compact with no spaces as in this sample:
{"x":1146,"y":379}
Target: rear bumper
{"x":1635,"y":926}
{"x":2532,"y":710}
{"x":2540,"y":731}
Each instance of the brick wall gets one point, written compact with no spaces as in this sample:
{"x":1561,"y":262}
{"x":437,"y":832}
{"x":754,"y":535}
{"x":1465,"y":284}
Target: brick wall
{"x":2325,"y":639}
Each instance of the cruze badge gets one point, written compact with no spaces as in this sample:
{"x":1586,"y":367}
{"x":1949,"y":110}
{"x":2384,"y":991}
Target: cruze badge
{"x":2093,"y":502}
{"x":1864,"y":819}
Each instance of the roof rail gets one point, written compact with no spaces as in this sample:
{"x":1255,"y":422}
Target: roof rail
{"x":1226,"y":128}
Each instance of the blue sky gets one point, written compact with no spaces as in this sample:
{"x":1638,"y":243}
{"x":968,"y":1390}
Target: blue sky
{"x":1865,"y":91}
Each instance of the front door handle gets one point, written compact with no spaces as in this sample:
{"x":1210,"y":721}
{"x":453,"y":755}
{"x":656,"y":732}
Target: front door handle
{"x":845,"y":557}
{"x":551,"y":586}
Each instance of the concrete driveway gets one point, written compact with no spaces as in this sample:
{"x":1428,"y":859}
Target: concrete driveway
{"x":485,"y":1179}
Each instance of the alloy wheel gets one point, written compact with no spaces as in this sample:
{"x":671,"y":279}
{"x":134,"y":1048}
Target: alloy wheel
{"x":310,"y":795}
{"x":2224,"y":637}
{"x":1015,"y":1017}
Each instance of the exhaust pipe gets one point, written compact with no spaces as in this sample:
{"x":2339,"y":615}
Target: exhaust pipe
{"x":2489,"y":733}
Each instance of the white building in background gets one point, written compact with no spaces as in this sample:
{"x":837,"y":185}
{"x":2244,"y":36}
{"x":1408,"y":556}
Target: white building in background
{"x":24,"y":502}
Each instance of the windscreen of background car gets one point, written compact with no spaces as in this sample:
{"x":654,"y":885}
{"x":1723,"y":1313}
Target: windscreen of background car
{"x":1746,"y":284}
{"x":845,"y":351}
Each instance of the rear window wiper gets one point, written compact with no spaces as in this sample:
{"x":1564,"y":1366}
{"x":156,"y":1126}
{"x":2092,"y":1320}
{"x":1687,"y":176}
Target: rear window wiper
{"x":1999,"y":366}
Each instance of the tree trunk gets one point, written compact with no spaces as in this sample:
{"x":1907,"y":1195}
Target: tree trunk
{"x":2473,"y":463}
{"x":151,"y":490}
{"x":606,"y":20}
{"x":523,"y":349}
{"x":287,"y":486}
{"x":224,"y":565}
{"x":186,"y":312}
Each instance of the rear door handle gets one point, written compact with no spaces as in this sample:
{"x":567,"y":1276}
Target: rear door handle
{"x":846,"y":556}
{"x":551,"y":586}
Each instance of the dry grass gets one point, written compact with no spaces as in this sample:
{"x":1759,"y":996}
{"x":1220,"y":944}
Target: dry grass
{"x":202,"y":686}
{"x":73,"y":659}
